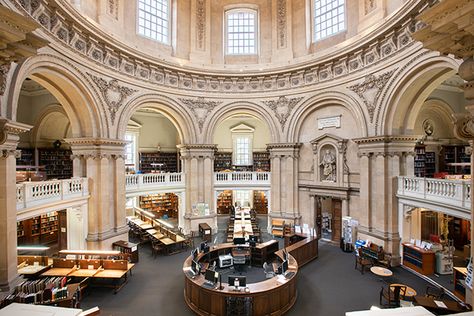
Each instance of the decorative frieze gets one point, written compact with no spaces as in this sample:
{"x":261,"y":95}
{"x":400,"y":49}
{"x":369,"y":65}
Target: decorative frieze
{"x":282,"y":108}
{"x":113,"y":93}
{"x":201,"y":108}
{"x":60,"y":23}
{"x":369,"y":90}
{"x":281,"y":23}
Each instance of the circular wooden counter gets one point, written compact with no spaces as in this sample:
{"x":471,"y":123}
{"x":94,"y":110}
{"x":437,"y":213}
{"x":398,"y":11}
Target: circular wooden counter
{"x":273,"y":296}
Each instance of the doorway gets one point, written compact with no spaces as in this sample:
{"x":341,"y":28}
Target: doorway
{"x":328,"y":218}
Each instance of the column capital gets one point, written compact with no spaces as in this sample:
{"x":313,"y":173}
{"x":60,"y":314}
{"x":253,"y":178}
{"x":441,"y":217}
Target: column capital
{"x":387,"y":145}
{"x":284,"y":150}
{"x":97,"y":148}
{"x":202,"y":151}
{"x":10,"y":133}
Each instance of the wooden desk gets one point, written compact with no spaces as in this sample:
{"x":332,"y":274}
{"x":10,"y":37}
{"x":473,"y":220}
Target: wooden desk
{"x":116,"y":274}
{"x":18,"y":309}
{"x":158,"y":235}
{"x":58,"y":272}
{"x":305,"y":250}
{"x":381,"y":272}
{"x":429,"y":304}
{"x":205,"y":231}
{"x":167,"y":241}
{"x":32,"y":270}
{"x":459,"y":275}
{"x":151,"y":231}
{"x":128,"y":248}
{"x":84,"y":273}
{"x":146,"y":226}
{"x":274,"y":296}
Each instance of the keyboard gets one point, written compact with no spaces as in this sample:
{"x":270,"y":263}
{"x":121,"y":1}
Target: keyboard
{"x":289,"y":275}
{"x":208,"y":286}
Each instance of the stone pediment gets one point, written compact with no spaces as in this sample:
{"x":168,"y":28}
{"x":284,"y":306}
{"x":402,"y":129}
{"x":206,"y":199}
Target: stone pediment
{"x":133,"y":125}
{"x":326,"y":136}
{"x":242,"y":128}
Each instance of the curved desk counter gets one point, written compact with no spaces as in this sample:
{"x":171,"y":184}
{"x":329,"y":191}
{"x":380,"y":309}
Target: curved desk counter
{"x":273,"y":296}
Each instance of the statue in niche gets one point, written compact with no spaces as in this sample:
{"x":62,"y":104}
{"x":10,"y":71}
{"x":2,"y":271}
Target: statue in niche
{"x":329,"y":166}
{"x":428,"y":127}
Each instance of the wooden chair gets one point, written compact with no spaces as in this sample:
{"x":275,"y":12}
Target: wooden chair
{"x":391,"y":294}
{"x":156,"y":247}
{"x":362,"y":262}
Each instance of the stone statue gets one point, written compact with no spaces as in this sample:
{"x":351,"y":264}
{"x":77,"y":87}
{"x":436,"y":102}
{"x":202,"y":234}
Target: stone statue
{"x":329,"y":166}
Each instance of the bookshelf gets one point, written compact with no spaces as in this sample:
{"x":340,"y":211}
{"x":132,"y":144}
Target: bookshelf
{"x":277,"y":227}
{"x":163,"y":204}
{"x":27,"y":157}
{"x":159,"y":162}
{"x":455,"y":154}
{"x":224,"y":202}
{"x":261,"y":161}
{"x":460,"y":274}
{"x":57,"y":162}
{"x":425,"y":162}
{"x":260,"y":202}
{"x":420,"y":260}
{"x":222,"y":161}
{"x":38,"y":230}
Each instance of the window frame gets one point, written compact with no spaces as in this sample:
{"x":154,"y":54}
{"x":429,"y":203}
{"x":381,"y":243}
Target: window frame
{"x":313,"y":22}
{"x":135,"y":134}
{"x":169,"y":23}
{"x":256,"y":14}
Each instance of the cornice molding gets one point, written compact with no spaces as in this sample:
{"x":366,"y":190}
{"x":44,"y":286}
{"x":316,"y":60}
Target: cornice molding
{"x":72,"y":31}
{"x":385,"y":139}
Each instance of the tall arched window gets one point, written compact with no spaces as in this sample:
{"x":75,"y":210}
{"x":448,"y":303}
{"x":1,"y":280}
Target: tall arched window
{"x":241,"y":32}
{"x":153,"y":19}
{"x":329,"y":18}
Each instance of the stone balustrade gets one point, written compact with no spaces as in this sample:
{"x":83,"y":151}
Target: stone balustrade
{"x":33,"y":194}
{"x":237,"y":178}
{"x":456,"y":193}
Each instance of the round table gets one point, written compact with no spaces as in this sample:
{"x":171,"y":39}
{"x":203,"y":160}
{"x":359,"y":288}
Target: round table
{"x":381,"y":272}
{"x":409,"y":293}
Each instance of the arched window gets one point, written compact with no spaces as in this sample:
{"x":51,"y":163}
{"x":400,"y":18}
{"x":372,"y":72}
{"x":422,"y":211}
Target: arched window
{"x":153,"y":19}
{"x":329,"y":18}
{"x":241,"y":32}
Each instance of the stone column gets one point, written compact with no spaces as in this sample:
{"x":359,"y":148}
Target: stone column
{"x":103,"y":161}
{"x":284,"y":182}
{"x":198,"y":169}
{"x":380,"y":165}
{"x":9,"y":137}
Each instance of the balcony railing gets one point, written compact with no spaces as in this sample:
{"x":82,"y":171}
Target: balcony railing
{"x":30,"y":194}
{"x":236,"y":178}
{"x":148,"y":180}
{"x":449,"y":192}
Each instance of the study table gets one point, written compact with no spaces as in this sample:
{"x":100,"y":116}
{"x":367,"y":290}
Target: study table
{"x":273,"y":296}
{"x":433,"y":305}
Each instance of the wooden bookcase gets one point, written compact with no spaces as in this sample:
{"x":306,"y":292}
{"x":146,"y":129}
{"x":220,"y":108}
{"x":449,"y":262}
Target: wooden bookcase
{"x":163,"y":204}
{"x":222,"y":161}
{"x":455,"y":154}
{"x":57,"y":163}
{"x":261,"y":161}
{"x":38,"y":230}
{"x":224,"y":202}
{"x":27,"y":157}
{"x":260,"y":202}
{"x":459,"y":274}
{"x":278,"y":227}
{"x":425,"y":162}
{"x":420,"y":260}
{"x":166,"y":162}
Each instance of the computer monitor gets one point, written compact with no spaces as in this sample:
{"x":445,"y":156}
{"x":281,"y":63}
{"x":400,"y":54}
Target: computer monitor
{"x":204,"y":247}
{"x":194,"y":253}
{"x":284,"y":266}
{"x":195,"y":267}
{"x":285,"y":255}
{"x":237,"y":280}
{"x":252,"y":238}
{"x":211,"y":276}
{"x":239,"y":241}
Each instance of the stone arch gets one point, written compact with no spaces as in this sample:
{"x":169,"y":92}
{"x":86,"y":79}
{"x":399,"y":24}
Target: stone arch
{"x":325,"y":99}
{"x":171,"y":109}
{"x":405,"y":96}
{"x":241,"y":107}
{"x":68,"y":85}
{"x":48,"y":112}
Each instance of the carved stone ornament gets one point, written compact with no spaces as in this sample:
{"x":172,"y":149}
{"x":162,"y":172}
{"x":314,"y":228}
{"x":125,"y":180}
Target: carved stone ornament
{"x":201,"y":23}
{"x":113,"y":93}
{"x":112,"y":8}
{"x":370,"y":6}
{"x":4,"y":69}
{"x":282,"y":108}
{"x":464,"y":126}
{"x":369,"y":90}
{"x":281,"y":22}
{"x":5,"y":153}
{"x":201,"y":108}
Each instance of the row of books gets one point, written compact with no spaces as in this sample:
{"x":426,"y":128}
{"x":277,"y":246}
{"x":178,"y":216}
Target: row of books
{"x":42,"y":296}
{"x":34,"y":286}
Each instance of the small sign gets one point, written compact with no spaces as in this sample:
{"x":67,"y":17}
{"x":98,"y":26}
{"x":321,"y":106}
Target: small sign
{"x":469,"y":274}
{"x":63,"y":229}
{"x":90,"y":267}
{"x":331,"y":121}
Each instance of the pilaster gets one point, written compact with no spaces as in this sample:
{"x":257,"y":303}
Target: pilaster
{"x":382,"y":160}
{"x":9,"y":137}
{"x":198,"y":167}
{"x":102,"y":162}
{"x":284,"y":183}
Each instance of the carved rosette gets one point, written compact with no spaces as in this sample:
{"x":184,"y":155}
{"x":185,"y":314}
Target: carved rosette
{"x":113,"y":93}
{"x":201,"y":23}
{"x":281,"y":22}
{"x":369,"y":90}
{"x":282,"y":108}
{"x":464,"y":126}
{"x":201,"y":108}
